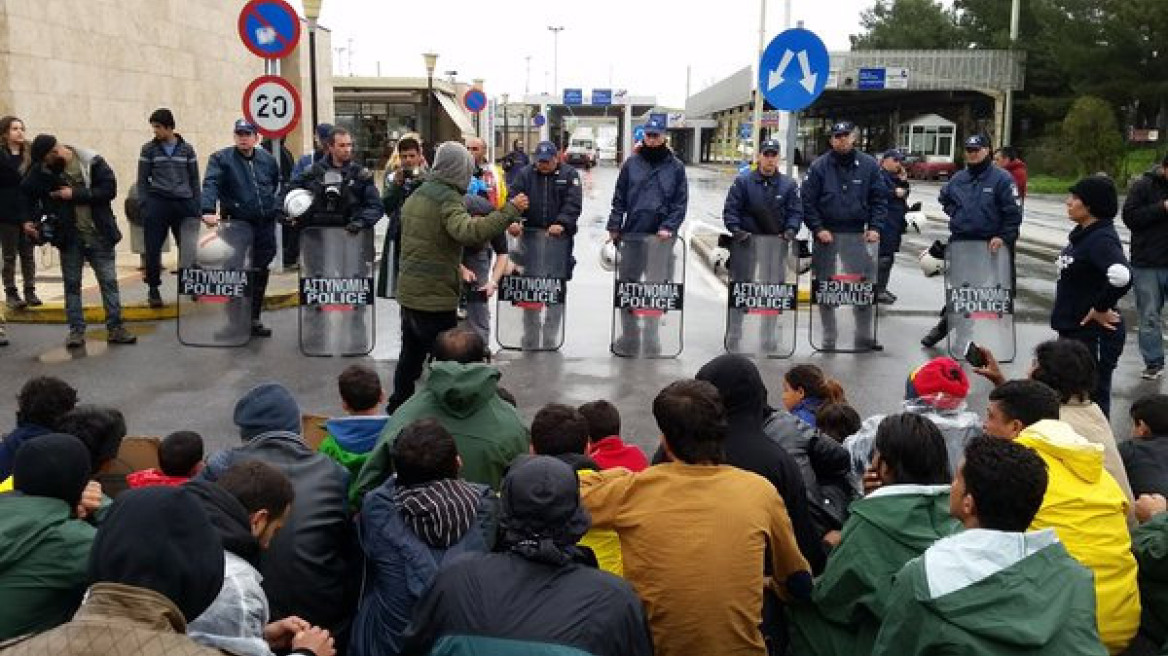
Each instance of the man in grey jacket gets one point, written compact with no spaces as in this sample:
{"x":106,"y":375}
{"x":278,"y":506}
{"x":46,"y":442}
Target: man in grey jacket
{"x":168,"y":185}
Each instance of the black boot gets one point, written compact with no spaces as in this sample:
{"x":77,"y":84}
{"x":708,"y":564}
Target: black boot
{"x":938,"y":333}
{"x":12,"y":299}
{"x":258,"y":329}
{"x":30,"y":297}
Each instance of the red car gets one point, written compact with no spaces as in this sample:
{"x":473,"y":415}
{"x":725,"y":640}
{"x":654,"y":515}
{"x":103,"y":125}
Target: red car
{"x":922,"y":169}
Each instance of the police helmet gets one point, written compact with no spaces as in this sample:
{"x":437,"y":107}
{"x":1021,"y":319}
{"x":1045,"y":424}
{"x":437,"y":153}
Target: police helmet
{"x":213,"y":252}
{"x":931,"y":264}
{"x":297,"y":202}
{"x":608,"y":256}
{"x":720,"y":257}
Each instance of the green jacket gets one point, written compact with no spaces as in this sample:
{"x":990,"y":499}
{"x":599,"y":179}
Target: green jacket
{"x":993,"y":594}
{"x":1150,"y":546}
{"x":884,"y":531}
{"x":435,"y":228}
{"x":464,"y":398}
{"x":44,"y":559}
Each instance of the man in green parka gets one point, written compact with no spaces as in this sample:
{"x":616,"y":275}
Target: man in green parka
{"x":435,"y":228}
{"x":1150,"y":546}
{"x":994,"y":589}
{"x":906,"y":514}
{"x":44,"y":544}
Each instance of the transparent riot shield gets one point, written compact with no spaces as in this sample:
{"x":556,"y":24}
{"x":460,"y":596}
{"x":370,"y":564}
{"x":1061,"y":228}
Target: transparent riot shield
{"x":761,"y":297}
{"x":648,"y":298}
{"x":215,"y":282}
{"x":529,"y":311}
{"x":843,"y":290}
{"x":336,"y":292}
{"x":979,"y":299}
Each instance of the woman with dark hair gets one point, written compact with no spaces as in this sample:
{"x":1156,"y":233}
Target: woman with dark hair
{"x":806,"y":387}
{"x":14,"y":243}
{"x":1093,"y":274}
{"x":905,"y":512}
{"x":1066,"y":365}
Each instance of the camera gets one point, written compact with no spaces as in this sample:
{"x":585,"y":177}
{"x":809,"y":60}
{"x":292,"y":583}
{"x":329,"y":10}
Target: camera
{"x":332,"y":186}
{"x":48,"y":229}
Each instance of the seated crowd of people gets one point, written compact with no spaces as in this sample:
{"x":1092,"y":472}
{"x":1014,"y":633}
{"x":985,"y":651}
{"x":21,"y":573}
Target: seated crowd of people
{"x":455,"y":527}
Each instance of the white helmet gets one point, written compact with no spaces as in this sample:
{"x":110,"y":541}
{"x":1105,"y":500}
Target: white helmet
{"x":916,"y":220}
{"x":297,"y":202}
{"x":720,"y":257}
{"x":213,"y":252}
{"x":931,"y":265}
{"x":608,"y":256}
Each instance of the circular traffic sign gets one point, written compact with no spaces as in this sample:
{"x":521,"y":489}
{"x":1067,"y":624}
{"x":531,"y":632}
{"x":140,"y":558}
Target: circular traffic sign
{"x":272,"y":104}
{"x":639,"y":133}
{"x":538,"y":120}
{"x":474,"y":100}
{"x":269,"y":28}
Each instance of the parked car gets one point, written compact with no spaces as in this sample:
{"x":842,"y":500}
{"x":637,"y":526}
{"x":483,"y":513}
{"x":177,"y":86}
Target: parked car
{"x":931,"y":168}
{"x":581,"y":152}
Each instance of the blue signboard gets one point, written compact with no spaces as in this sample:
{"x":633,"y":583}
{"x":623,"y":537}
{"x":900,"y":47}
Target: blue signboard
{"x":538,"y":120}
{"x":602,"y":96}
{"x":269,"y":28}
{"x":573,"y":96}
{"x":661,"y":117}
{"x":639,"y":133}
{"x":870,"y":79}
{"x":744,"y":130}
{"x":793,"y":69}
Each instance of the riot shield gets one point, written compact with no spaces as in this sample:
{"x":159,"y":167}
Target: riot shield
{"x":843,"y":289}
{"x":336,"y":292}
{"x":648,"y":297}
{"x":761,"y":297}
{"x":215,"y":282}
{"x":979,"y":299}
{"x":529,"y":311}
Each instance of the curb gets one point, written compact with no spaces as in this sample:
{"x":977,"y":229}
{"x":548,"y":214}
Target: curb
{"x":54,"y":313}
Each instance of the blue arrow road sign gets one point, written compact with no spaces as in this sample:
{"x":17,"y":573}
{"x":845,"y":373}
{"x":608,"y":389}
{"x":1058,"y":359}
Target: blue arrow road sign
{"x":793,"y":69}
{"x":602,"y":96}
{"x":269,"y":28}
{"x":573,"y":96}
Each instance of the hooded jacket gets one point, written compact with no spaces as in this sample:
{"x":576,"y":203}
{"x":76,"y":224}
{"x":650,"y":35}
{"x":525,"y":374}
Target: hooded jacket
{"x":1085,"y":506}
{"x":1087,"y":419}
{"x":235,"y":621}
{"x":400,"y":565}
{"x":1150,"y":546}
{"x":348,"y":440}
{"x":748,"y":447}
{"x":99,"y":191}
{"x":994,"y":594}
{"x":958,"y":426}
{"x":649,"y":197}
{"x":463,"y":398}
{"x":44,"y":552}
{"x":884,"y":531}
{"x":435,"y":229}
{"x":535,"y":597}
{"x":1147,"y":217}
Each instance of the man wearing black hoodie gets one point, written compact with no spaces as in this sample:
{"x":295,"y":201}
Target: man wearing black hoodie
{"x":307,"y":570}
{"x":534,"y":596}
{"x":1145,"y":212}
{"x":156,"y":564}
{"x":248,"y":506}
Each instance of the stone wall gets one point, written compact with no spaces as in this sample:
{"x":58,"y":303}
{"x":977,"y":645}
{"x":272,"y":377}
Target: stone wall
{"x":91,"y":71}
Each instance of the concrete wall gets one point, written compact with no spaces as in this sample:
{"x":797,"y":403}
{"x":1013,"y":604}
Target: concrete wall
{"x":91,"y":71}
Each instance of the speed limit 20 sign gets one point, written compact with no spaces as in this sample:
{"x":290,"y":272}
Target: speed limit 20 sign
{"x":272,"y":104}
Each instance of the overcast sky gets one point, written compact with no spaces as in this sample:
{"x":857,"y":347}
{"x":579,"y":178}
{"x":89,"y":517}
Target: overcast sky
{"x":637,"y":45}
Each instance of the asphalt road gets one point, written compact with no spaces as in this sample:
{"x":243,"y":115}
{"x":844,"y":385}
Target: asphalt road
{"x":162,"y":386}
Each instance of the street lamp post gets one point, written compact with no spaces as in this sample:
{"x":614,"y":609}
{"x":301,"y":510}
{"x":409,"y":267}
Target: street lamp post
{"x":556,"y":55}
{"x":312,"y":14}
{"x":431,"y":59}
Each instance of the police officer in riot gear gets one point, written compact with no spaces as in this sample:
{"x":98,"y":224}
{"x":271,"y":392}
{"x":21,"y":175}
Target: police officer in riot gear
{"x":343,"y":191}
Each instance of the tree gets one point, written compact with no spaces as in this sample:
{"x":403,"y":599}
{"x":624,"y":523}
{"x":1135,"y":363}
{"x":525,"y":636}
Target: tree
{"x":908,"y":25}
{"x":1092,"y":136}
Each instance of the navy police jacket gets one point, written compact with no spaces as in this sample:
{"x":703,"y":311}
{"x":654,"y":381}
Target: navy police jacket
{"x":894,"y":221}
{"x":844,"y":194}
{"x":649,"y":197}
{"x":982,"y":203}
{"x":556,"y":198}
{"x":243,"y":188}
{"x":763,"y":205}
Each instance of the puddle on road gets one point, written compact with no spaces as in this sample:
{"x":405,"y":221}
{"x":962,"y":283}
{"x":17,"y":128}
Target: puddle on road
{"x":95,"y":345}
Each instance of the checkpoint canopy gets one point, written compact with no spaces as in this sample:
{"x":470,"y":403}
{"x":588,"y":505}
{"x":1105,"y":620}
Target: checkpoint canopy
{"x":843,"y":289}
{"x":215,"y":282}
{"x":532,"y":300}
{"x":336,"y":292}
{"x":979,"y":299}
{"x":648,"y":297}
{"x":762,"y":297}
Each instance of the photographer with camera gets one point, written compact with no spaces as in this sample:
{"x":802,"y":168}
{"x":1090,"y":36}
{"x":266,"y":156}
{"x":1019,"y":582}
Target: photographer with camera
{"x":407,"y":168}
{"x":73,"y":190}
{"x":244,"y":181}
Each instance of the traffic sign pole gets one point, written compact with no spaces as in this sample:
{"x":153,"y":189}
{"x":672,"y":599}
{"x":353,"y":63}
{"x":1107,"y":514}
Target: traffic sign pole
{"x":757,"y":139}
